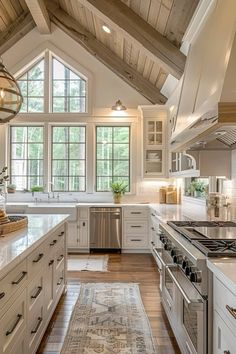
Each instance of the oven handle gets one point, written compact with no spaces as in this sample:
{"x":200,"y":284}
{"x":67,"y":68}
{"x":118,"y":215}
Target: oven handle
{"x":155,"y":250}
{"x":195,"y":305}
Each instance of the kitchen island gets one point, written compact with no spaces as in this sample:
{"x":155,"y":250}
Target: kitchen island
{"x":32,"y":280}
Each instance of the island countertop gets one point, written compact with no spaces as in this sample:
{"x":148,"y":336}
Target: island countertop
{"x":17,"y":245}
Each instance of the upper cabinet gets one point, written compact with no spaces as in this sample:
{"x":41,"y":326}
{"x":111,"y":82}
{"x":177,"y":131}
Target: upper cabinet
{"x":154,"y":119}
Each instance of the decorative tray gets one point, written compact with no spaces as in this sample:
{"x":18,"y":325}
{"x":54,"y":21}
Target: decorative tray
{"x":15,"y":223}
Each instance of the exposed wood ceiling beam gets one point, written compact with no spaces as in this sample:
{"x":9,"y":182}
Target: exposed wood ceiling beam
{"x":158,"y":47}
{"x":70,"y":26}
{"x":21,"y":26}
{"x":40,"y":15}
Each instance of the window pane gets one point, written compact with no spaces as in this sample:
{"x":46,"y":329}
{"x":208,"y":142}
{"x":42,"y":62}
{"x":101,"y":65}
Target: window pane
{"x":59,"y":88}
{"x":121,"y":151}
{"x":75,"y":105}
{"x":36,"y":88}
{"x":60,"y":168}
{"x":121,"y":168}
{"x":37,"y":72}
{"x":19,"y":167}
{"x":77,"y":134}
{"x":35,"y":134}
{"x":23,"y":87}
{"x":60,"y":184}
{"x":104,"y":134}
{"x":104,"y":168}
{"x":19,"y":134}
{"x":24,"y":105}
{"x":77,"y":151}
{"x":58,"y":70}
{"x":104,"y":151}
{"x":60,"y":134}
{"x":20,"y":182}
{"x":77,"y":168}
{"x":19,"y":151}
{"x":35,"y":167}
{"x":59,"y":105}
{"x":121,"y":134}
{"x":77,"y":184}
{"x":60,"y":151}
{"x":104,"y":184}
{"x":35,"y":181}
{"x":35,"y":151}
{"x":75,"y":88}
{"x":35,"y":105}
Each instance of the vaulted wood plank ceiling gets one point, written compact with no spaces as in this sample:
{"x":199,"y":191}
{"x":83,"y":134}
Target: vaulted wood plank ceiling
{"x":133,"y":53}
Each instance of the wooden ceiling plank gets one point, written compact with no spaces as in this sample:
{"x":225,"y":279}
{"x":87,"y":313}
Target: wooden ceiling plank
{"x":4,"y":14}
{"x":2,"y":25}
{"x":40,"y":15}
{"x":10,"y":9}
{"x":162,"y":19}
{"x":138,"y":30}
{"x":154,"y":12}
{"x":144,"y":9}
{"x":23,"y":5}
{"x":70,"y":26}
{"x":17,"y":6}
{"x":22,"y":25}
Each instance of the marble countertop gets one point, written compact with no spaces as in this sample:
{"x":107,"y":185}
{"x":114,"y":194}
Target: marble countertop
{"x":15,"y":246}
{"x":225,"y":270}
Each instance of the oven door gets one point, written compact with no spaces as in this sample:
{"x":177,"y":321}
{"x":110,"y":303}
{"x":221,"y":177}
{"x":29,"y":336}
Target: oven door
{"x":192,"y":313}
{"x":162,"y":260}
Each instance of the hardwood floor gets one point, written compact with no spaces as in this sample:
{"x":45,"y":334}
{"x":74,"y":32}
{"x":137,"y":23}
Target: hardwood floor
{"x":138,"y":268}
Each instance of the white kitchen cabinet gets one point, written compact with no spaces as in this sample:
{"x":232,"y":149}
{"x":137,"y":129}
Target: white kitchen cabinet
{"x":154,"y":141}
{"x":135,"y":228}
{"x":224,"y":340}
{"x":30,"y":293}
{"x":78,"y":232}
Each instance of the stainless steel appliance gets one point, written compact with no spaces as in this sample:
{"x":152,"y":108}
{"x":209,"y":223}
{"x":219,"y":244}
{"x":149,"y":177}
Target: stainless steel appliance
{"x":105,"y":228}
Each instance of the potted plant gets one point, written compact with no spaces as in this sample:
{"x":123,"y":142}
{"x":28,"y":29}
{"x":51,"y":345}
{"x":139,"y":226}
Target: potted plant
{"x":118,"y":189}
{"x":34,"y":189}
{"x":198,"y":188}
{"x":11,"y":188}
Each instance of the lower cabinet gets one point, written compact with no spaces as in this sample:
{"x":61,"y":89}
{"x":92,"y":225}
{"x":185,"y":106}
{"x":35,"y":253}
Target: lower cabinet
{"x":39,"y":282}
{"x":135,"y":228}
{"x":78,"y":232}
{"x":224,"y":340}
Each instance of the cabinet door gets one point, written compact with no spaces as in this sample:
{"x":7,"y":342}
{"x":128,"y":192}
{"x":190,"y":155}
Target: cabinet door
{"x":154,"y":132}
{"x":72,"y":239}
{"x":224,"y":341}
{"x":49,"y":280}
{"x":83,"y":234}
{"x":153,"y":162}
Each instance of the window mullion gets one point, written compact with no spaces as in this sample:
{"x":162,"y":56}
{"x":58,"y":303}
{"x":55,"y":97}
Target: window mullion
{"x":47,"y":81}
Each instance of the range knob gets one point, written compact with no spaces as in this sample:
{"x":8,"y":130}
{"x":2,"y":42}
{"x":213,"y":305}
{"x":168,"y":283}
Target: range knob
{"x":162,"y":238}
{"x":173,"y":252}
{"x":196,"y":277}
{"x":185,"y":263}
{"x":187,"y":270}
{"x":178,"y":258}
{"x":167,"y":246}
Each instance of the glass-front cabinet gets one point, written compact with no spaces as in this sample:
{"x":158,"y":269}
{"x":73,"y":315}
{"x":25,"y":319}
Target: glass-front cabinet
{"x":154,"y":154}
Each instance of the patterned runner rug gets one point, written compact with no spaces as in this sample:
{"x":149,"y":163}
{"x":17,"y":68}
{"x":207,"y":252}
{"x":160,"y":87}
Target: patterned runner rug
{"x":109,"y":318}
{"x":93,"y":263}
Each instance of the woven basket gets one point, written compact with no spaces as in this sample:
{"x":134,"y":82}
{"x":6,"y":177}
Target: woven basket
{"x":16,"y":223}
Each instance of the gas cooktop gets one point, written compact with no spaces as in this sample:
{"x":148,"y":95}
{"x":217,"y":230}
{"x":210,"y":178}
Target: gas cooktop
{"x":213,"y":238}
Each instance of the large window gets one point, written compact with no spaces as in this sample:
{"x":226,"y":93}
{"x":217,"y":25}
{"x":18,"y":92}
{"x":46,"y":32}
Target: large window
{"x":112,"y":156}
{"x":69,"y":90}
{"x":26,"y":156}
{"x":50,"y":76}
{"x":68,"y":158}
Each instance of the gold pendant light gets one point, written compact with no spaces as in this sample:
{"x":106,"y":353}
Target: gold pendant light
{"x":10,"y":95}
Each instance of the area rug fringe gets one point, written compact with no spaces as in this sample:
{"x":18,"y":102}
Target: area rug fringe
{"x":109,"y":318}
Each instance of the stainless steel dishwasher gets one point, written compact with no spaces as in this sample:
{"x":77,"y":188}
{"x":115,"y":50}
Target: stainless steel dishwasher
{"x":105,"y":228}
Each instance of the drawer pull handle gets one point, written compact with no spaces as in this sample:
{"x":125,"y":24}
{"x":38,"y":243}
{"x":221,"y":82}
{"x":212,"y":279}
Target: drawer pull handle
{"x":15,"y":282}
{"x":136,"y":226}
{"x":60,"y":258}
{"x":231,"y":310}
{"x":37,"y":293}
{"x":51,"y":262}
{"x":135,"y":239}
{"x":61,"y":234}
{"x":14,"y":326}
{"x":53,"y":242}
{"x":60,"y":281}
{"x":40,"y":256}
{"x":37,"y":326}
{"x":152,"y":228}
{"x":2,"y":295}
{"x":136,"y":212}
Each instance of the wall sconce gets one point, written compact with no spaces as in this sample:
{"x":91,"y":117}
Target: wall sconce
{"x":10,"y":95}
{"x":118,"y":106}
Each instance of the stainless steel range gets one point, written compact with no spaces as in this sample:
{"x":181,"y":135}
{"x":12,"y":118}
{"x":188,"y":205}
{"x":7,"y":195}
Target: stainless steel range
{"x":186,"y":282}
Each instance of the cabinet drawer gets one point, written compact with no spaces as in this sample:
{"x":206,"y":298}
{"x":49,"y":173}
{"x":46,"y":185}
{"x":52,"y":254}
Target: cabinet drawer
{"x":36,"y":260}
{"x":224,"y":340}
{"x":20,"y":344}
{"x":225,"y":303}
{"x":135,"y":242}
{"x":13,"y":323}
{"x":60,"y":256}
{"x":15,"y":279}
{"x":136,"y":227}
{"x":55,"y":241}
{"x":135,"y":212}
{"x":35,"y":327}
{"x":35,"y":292}
{"x":60,"y":279}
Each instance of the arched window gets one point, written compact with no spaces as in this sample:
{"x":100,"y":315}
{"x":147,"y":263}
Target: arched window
{"x":52,"y":86}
